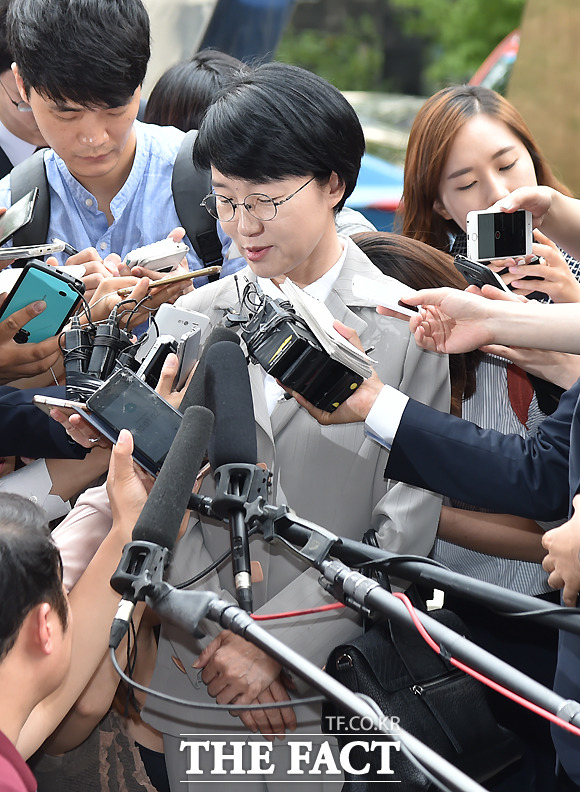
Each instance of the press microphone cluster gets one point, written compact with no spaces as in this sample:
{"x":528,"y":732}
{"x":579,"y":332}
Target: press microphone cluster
{"x":146,"y":556}
{"x":233,"y":450}
{"x":157,"y":527}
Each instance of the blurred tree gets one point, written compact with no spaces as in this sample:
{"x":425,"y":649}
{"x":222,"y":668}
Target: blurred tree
{"x":350,"y":58}
{"x":461,"y":33}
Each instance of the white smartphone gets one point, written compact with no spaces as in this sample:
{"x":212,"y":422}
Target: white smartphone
{"x":385,"y":291}
{"x":48,"y":403}
{"x":30,"y":251}
{"x":497,"y":235}
{"x":187,"y":354}
{"x":172,"y":321}
{"x":162,"y":256}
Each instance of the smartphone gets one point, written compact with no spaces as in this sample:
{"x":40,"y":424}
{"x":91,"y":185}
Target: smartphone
{"x":17,"y":216}
{"x":31,"y":251}
{"x":175,"y":322}
{"x":150,"y":368}
{"x":477,"y":274}
{"x":124,"y":401}
{"x":183,"y":276}
{"x":61,"y":292}
{"x":187,"y":355}
{"x":162,"y":256}
{"x":496,"y":235}
{"x":385,"y":291}
{"x":48,"y":403}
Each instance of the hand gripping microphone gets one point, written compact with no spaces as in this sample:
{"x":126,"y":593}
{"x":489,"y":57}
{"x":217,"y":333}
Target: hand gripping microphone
{"x":232,"y":451}
{"x":155,"y":532}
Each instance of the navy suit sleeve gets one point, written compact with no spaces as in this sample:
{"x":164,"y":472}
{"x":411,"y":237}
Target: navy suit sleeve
{"x":27,"y":431}
{"x":504,"y":473}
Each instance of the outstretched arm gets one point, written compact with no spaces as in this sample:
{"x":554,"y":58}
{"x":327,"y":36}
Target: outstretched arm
{"x":453,"y":321}
{"x":93,"y":602}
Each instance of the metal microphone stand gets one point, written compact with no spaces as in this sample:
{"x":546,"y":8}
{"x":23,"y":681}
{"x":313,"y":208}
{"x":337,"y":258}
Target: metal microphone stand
{"x":314,"y":544}
{"x":187,"y":608}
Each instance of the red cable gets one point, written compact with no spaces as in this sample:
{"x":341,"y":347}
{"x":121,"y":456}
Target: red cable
{"x":485,"y":680}
{"x":289,"y":614}
{"x":436,"y":648}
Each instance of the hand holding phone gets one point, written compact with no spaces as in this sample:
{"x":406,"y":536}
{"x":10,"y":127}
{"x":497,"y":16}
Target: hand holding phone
{"x":38,"y":282}
{"x":18,"y":361}
{"x":125,"y":402}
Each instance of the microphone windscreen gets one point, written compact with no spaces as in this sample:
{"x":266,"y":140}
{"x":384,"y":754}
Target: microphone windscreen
{"x":163,"y":511}
{"x":195,"y":393}
{"x":229,"y":396}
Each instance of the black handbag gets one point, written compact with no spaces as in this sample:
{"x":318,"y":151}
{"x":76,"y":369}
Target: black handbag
{"x":437,"y":703}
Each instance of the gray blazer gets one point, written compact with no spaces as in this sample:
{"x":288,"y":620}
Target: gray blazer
{"x":333,"y":476}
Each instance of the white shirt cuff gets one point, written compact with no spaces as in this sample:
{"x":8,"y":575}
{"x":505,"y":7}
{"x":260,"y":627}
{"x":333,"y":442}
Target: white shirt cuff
{"x":385,"y":416}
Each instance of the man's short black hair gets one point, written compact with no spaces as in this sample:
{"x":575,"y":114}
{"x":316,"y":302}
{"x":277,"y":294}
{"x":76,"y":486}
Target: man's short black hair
{"x":185,"y":91}
{"x":30,"y":567}
{"x":279,"y":121}
{"x":6,"y":58}
{"x":89,"y":52}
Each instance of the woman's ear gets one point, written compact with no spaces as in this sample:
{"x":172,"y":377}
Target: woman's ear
{"x":19,"y":83}
{"x":336,"y":187}
{"x":439,"y":207}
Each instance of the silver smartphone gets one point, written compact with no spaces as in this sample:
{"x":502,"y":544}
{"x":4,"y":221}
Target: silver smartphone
{"x":31,"y":251}
{"x":17,"y":216}
{"x":48,"y":403}
{"x":187,"y":355}
{"x":497,"y":235}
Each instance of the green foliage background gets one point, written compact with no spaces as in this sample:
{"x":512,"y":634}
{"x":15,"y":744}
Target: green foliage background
{"x":351,"y":59}
{"x":461,"y":33}
{"x":458,"y":35}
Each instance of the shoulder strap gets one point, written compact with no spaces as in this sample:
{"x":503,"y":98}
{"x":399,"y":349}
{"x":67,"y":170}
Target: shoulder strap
{"x":31,"y":173}
{"x":190,"y":185}
{"x":5,"y":164}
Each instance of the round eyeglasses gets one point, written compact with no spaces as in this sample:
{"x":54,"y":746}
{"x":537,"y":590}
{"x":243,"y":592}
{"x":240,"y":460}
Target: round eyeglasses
{"x":22,"y":106}
{"x":260,"y":206}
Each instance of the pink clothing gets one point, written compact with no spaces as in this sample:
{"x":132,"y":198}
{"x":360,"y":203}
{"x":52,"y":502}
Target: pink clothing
{"x":15,"y":775}
{"x":80,"y":534}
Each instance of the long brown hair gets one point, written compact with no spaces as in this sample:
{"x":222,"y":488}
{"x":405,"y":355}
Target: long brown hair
{"x":430,"y":140}
{"x":421,"y":266}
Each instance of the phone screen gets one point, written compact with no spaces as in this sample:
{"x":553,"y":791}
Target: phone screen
{"x":126,"y":402}
{"x":17,"y":215}
{"x":501,"y":234}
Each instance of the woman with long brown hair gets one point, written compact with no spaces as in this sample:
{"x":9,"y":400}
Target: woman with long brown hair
{"x":468,"y":148}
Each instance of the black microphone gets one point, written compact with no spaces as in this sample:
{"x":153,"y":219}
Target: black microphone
{"x":232,"y":450}
{"x":195,"y":393}
{"x":155,"y":532}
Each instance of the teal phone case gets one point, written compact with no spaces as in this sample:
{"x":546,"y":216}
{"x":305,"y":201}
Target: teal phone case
{"x":39,"y":282}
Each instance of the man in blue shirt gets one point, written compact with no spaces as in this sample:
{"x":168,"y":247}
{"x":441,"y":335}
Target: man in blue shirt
{"x":80,"y":66}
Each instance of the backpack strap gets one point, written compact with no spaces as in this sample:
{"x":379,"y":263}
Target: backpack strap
{"x":5,"y":164}
{"x":190,"y":185}
{"x":31,"y":173}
